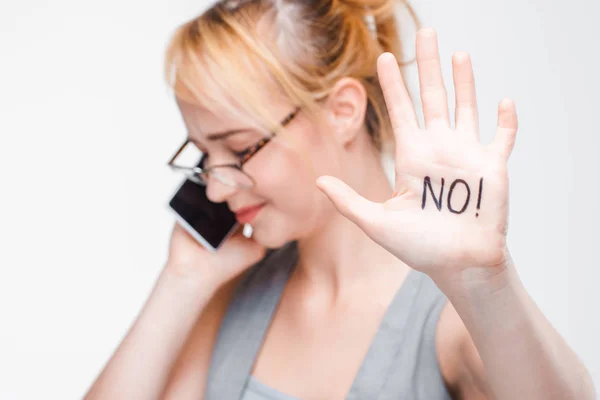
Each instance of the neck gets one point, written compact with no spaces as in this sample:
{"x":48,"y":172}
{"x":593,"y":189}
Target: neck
{"x":340,"y":256}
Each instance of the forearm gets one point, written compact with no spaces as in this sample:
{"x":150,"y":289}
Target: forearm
{"x":140,"y":366}
{"x":523,"y":355}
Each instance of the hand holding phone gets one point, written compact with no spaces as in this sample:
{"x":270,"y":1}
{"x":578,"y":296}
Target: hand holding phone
{"x":211,"y":224}
{"x":189,"y":258}
{"x":202,"y":228}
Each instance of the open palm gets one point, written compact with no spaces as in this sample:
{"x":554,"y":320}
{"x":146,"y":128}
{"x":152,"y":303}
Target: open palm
{"x":449,"y":210}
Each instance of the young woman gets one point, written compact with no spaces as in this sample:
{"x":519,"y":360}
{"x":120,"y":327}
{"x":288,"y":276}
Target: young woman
{"x":348,"y":288}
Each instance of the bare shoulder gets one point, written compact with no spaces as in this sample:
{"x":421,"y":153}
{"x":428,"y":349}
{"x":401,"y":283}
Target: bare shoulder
{"x":187,"y":379}
{"x":458,"y":357}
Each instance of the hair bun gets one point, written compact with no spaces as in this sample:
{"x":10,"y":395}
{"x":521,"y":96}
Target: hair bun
{"x":375,"y":7}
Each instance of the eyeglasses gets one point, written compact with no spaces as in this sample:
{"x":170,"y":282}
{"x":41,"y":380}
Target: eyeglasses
{"x":228,"y":174}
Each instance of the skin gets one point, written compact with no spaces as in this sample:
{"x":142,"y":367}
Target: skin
{"x":358,"y":239}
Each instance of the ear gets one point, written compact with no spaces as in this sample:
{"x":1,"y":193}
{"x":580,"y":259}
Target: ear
{"x":347,"y":105}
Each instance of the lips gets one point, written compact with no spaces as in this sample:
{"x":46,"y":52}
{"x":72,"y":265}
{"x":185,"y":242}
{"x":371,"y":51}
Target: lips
{"x":248,"y":214}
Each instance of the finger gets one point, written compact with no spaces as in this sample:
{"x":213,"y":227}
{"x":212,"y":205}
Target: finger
{"x":506,"y":134}
{"x":350,"y":204}
{"x":466,"y":114}
{"x":433,"y":92}
{"x":239,"y":250}
{"x":397,"y":100}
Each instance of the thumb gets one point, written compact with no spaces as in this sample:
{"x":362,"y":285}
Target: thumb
{"x":350,"y":204}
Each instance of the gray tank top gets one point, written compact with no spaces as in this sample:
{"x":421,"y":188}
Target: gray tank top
{"x":401,"y":362}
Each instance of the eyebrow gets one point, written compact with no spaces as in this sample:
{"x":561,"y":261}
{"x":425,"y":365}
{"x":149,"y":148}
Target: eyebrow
{"x":218,"y":135}
{"x":226,"y":134}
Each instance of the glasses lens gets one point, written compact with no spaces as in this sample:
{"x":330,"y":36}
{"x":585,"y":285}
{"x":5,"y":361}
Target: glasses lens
{"x":189,"y":157}
{"x":190,"y":162}
{"x":231,"y":176}
{"x":199,"y":178}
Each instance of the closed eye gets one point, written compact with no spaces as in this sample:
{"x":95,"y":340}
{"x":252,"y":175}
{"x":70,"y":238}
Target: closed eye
{"x":250,"y":151}
{"x":244,"y":153}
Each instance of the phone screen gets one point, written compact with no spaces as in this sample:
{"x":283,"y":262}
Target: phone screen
{"x":209,"y":223}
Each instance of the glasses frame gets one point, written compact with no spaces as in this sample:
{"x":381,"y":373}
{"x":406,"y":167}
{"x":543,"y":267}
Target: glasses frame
{"x":198,"y":171}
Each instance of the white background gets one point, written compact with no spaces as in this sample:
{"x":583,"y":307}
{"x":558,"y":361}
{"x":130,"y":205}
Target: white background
{"x":87,"y":124}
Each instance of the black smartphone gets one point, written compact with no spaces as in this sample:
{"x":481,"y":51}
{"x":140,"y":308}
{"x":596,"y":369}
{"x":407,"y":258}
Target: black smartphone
{"x":211,"y":224}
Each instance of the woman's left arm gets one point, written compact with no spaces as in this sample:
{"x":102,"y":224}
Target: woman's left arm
{"x":500,"y":327}
{"x":448,"y":218}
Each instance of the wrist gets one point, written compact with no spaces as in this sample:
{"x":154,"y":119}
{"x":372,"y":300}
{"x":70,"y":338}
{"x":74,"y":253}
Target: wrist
{"x":479,"y":283}
{"x":489,"y":299}
{"x":191,"y":281}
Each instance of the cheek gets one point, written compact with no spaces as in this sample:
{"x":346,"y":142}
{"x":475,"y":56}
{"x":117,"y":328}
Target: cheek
{"x":285,"y":177}
{"x":286,"y":180}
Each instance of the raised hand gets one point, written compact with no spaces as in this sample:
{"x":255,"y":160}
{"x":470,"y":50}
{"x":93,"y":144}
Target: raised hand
{"x":448,"y":215}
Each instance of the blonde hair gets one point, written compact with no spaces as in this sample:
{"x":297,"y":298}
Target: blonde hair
{"x":239,"y":51}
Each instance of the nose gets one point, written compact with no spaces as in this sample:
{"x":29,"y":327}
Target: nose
{"x":218,"y":192}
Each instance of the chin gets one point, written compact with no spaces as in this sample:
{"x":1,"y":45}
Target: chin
{"x":275,"y":229}
{"x":270,"y":239}
{"x":273,"y":233}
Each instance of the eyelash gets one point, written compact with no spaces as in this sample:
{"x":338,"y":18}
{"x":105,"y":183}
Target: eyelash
{"x":239,"y":154}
